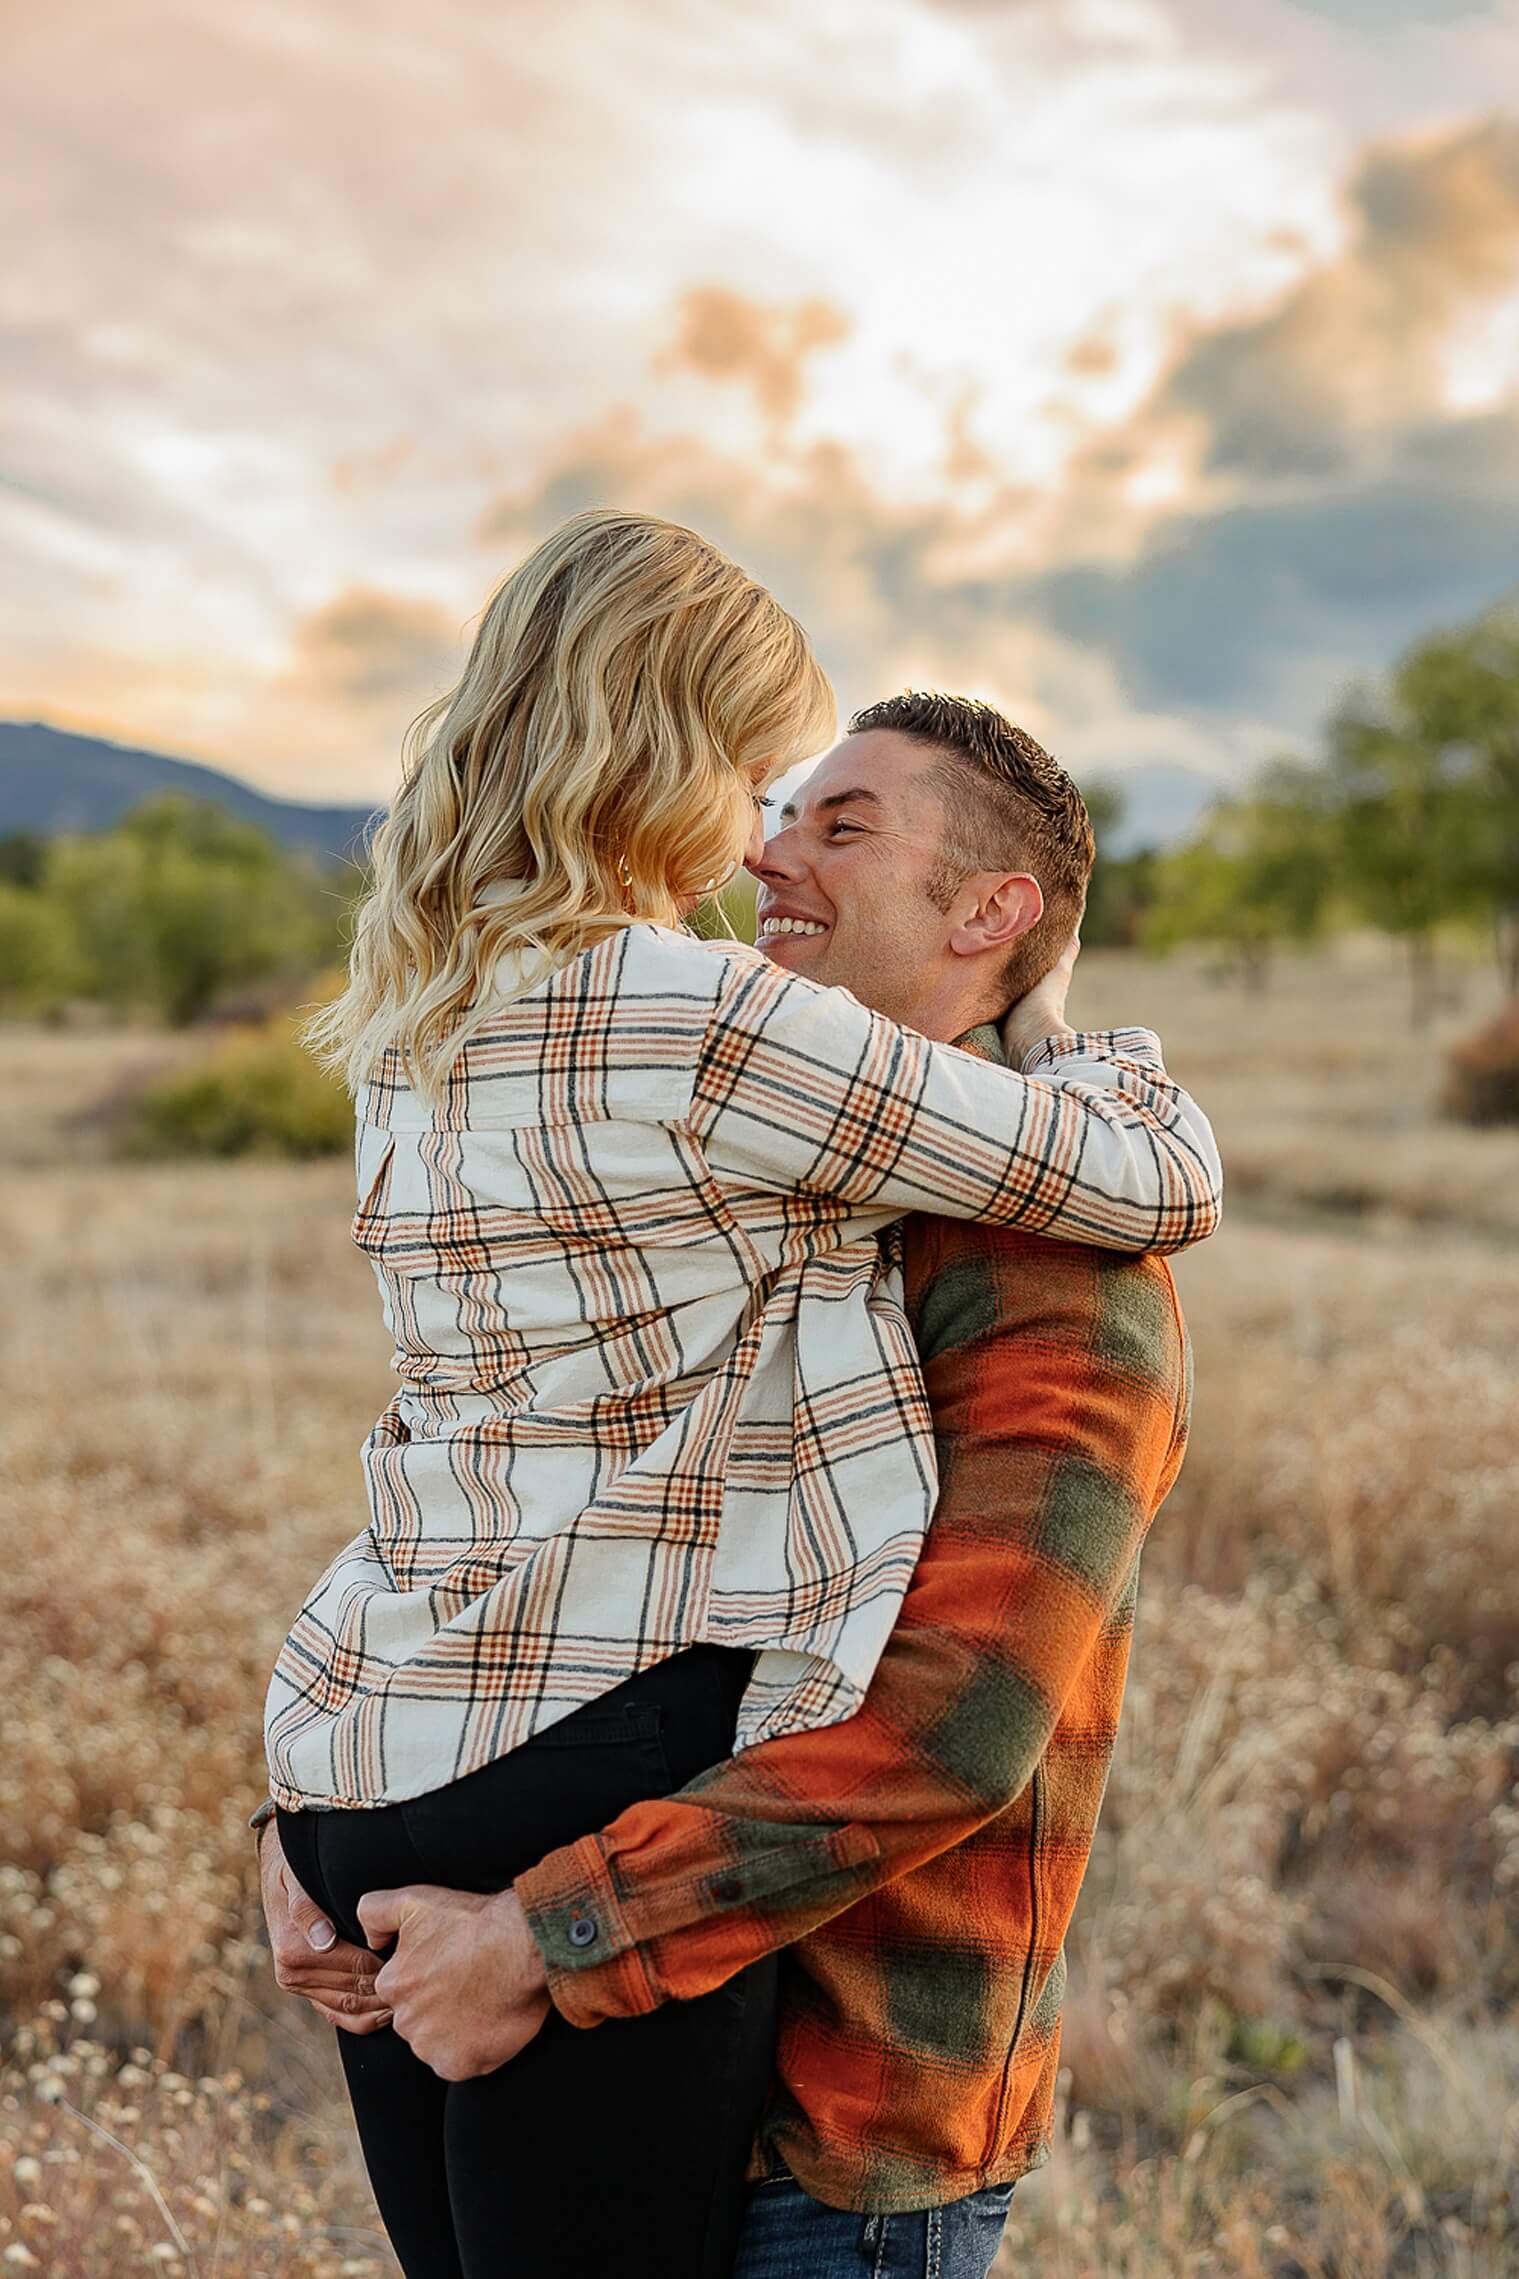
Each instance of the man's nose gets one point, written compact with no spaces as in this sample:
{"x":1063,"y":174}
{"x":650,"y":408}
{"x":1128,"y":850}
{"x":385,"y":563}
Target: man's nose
{"x":777,"y":858}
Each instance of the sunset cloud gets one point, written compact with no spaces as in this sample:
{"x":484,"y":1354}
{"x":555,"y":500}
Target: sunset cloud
{"x":1339,"y":491}
{"x":1363,"y":346}
{"x":1144,"y":368}
{"x":723,"y":336}
{"x":367,"y":648}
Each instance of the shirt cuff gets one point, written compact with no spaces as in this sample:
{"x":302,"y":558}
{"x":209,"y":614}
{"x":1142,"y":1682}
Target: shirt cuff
{"x":590,"y":1956}
{"x":621,"y":1934}
{"x":1140,"y":1046}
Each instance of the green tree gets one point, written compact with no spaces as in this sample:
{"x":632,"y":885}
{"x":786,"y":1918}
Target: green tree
{"x":732,"y":912}
{"x":1122,"y":886}
{"x":41,"y":962}
{"x":22,"y":857}
{"x":1257,"y":873}
{"x":1411,"y":822}
{"x":180,"y":901}
{"x":1457,"y":695}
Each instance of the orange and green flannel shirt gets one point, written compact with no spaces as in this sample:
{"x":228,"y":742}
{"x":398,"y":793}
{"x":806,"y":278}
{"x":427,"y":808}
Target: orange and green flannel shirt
{"x":920,"y":1861}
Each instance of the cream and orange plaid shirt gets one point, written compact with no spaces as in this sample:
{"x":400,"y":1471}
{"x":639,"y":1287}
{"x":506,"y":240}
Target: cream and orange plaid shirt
{"x":656,"y":1382}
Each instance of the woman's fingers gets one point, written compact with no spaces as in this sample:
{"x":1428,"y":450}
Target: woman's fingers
{"x":1041,"y":1013}
{"x":367,"y":2019}
{"x":300,"y":1971}
{"x":310,"y":1958}
{"x":330,"y":1982}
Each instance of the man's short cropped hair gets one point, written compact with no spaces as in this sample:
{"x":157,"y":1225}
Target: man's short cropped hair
{"x":1007,"y":806}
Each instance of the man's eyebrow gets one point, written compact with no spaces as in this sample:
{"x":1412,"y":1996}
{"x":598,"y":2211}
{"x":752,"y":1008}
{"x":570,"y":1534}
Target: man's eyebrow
{"x":834,"y":799}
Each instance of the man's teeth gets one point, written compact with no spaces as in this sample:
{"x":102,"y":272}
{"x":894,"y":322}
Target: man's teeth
{"x":792,"y":926}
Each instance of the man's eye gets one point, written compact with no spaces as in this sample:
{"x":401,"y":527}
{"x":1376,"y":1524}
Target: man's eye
{"x":837,"y":828}
{"x":761,"y":802}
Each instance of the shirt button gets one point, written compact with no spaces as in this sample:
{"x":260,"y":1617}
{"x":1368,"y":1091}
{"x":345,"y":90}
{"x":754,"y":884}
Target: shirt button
{"x":727,"y":1888}
{"x":582,"y":1931}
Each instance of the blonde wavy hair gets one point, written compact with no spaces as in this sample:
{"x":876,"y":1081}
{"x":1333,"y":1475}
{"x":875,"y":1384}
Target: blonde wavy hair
{"x":627,"y":691}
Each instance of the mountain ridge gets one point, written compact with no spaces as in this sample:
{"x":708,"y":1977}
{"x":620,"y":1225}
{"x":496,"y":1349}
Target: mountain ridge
{"x":54,"y":780}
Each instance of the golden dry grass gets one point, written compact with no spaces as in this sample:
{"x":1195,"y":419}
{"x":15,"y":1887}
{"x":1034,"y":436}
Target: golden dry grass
{"x":1292,"y":2048}
{"x":1322,"y":1092}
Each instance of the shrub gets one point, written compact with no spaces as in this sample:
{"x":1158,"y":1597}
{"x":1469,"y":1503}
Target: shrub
{"x":1482,"y":1073}
{"x":40,"y":963}
{"x":179,"y":903}
{"x":257,"y":1092}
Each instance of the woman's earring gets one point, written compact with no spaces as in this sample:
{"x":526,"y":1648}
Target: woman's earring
{"x":624,"y":873}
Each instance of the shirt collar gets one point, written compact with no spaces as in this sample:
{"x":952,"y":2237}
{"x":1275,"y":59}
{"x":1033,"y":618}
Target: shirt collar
{"x":985,"y":1041}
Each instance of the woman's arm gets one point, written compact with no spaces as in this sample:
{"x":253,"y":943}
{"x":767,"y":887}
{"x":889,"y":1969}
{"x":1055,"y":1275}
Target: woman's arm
{"x":802,"y":1087}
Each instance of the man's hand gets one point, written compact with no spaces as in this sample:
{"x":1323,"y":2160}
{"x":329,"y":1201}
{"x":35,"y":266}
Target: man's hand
{"x":1041,"y":1013}
{"x":466,"y":1982}
{"x":309,"y":1958}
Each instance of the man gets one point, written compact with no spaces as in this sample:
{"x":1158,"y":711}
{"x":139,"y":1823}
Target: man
{"x":920,"y":1862}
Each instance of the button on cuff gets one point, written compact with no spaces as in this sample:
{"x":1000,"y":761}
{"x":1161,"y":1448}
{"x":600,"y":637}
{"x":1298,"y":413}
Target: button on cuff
{"x":583,"y":1931}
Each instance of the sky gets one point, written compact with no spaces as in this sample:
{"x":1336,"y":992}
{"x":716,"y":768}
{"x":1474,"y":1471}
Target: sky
{"x":1145,"y":366}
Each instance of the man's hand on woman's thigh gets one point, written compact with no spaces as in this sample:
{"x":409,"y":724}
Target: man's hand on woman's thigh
{"x":464,"y":1980}
{"x":310,"y":1959}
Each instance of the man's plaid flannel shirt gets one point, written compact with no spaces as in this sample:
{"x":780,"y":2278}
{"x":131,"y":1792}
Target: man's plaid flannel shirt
{"x":922,"y":1860}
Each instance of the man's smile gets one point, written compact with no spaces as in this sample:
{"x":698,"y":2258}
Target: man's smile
{"x":775,"y":922}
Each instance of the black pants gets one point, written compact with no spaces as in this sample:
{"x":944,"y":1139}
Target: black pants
{"x":619,"y":2148}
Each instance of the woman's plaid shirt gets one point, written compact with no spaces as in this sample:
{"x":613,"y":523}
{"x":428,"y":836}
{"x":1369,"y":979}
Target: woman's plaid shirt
{"x":655,"y":1386}
{"x":921,"y":1862}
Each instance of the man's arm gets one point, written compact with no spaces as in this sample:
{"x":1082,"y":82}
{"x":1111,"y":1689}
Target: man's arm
{"x":1056,"y":1377}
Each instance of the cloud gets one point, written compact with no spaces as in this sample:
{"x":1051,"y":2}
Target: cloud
{"x":367,"y":648}
{"x":1330,"y":501}
{"x":894,"y":592}
{"x":722,"y":335}
{"x":1092,"y":357}
{"x":356,"y":671}
{"x":1324,"y":502}
{"x":1029,"y":345}
{"x":1360,"y":346}
{"x":1268,"y":607}
{"x":323,"y":719}
{"x":1374,"y":15}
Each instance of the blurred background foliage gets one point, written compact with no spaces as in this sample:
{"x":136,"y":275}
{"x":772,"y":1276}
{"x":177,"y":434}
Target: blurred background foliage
{"x":1405,"y":822}
{"x":166,"y":916}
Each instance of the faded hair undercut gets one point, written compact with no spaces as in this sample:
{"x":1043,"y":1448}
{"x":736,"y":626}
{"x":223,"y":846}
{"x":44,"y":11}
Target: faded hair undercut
{"x":1006,"y":806}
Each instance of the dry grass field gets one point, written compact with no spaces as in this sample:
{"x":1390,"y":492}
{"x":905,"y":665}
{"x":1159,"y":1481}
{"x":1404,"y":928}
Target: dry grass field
{"x":1293,"y":2037}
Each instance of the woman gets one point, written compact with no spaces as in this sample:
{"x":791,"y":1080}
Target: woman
{"x":659,"y":1466}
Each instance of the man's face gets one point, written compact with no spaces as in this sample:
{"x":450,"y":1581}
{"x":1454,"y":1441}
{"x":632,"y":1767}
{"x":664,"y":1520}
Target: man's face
{"x":844,"y":879}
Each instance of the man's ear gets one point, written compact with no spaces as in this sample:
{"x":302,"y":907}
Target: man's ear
{"x":1005,"y":905}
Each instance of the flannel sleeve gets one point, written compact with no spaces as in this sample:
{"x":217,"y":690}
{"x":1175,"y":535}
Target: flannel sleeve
{"x":1060,"y":1433}
{"x":800,"y":1086}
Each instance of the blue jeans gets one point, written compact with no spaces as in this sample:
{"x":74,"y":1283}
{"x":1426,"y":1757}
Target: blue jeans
{"x":789,"y":2235}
